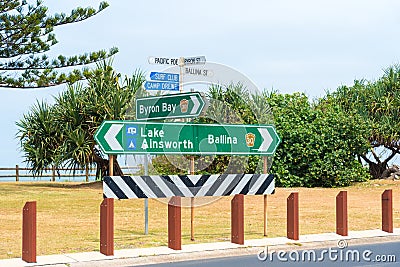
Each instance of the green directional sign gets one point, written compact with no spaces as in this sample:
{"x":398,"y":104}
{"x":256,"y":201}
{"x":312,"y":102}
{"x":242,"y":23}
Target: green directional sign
{"x":138,"y":137}
{"x":185,"y":105}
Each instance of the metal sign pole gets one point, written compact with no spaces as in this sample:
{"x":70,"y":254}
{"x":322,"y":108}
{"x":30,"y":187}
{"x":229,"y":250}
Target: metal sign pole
{"x":192,"y":202}
{"x":181,"y":64}
{"x":265,"y":171}
{"x":146,"y":200}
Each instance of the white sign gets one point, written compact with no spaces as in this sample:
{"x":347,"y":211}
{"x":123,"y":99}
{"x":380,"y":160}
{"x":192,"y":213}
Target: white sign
{"x":195,"y":60}
{"x":175,"y":61}
{"x":163,"y":61}
{"x":198,"y":72}
{"x":218,"y":74}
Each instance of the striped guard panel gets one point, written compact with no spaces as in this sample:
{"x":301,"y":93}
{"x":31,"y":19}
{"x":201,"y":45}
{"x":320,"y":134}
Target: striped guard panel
{"x":163,"y":186}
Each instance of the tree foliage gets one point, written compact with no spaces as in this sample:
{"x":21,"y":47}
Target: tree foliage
{"x":319,"y":143}
{"x":26,"y":34}
{"x":319,"y":147}
{"x":62,"y":134}
{"x":378,"y":103}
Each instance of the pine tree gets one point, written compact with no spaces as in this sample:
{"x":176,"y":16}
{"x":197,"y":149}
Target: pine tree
{"x":26,"y":34}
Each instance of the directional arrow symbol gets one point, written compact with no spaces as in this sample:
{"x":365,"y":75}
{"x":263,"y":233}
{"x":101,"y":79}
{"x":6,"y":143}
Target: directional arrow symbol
{"x":196,"y":104}
{"x":111,"y":134}
{"x":267,"y":139}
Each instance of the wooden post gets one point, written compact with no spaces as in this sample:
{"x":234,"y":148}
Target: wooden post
{"x":293,"y":216}
{"x":111,"y":165}
{"x":192,"y":202}
{"x":16,"y":173}
{"x":237,"y":219}
{"x":341,"y":214}
{"x":174,"y":223}
{"x":265,"y":165}
{"x":87,"y":172}
{"x":265,"y":171}
{"x":29,"y":232}
{"x":107,"y":227}
{"x":387,"y":211}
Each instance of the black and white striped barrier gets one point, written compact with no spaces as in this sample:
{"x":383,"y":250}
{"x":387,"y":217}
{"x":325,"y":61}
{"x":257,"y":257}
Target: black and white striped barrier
{"x":124,"y":187}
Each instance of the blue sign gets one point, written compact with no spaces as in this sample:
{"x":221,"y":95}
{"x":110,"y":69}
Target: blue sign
{"x":163,"y":76}
{"x":152,"y":85}
{"x":131,"y":130}
{"x":131,"y":144}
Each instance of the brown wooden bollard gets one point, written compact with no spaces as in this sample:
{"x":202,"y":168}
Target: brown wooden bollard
{"x":387,"y":211}
{"x":341,"y":214}
{"x":237,"y":219}
{"x":16,"y":173}
{"x":293,"y":216}
{"x":107,"y":227}
{"x":29,"y":232}
{"x":174,"y":223}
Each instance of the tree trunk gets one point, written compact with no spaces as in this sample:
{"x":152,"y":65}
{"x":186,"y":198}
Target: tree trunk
{"x":103,"y":168}
{"x":117,"y":168}
{"x":390,"y":172}
{"x":376,"y":169}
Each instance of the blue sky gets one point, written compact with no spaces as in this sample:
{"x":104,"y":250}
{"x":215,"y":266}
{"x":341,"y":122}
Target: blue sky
{"x":306,"y":46}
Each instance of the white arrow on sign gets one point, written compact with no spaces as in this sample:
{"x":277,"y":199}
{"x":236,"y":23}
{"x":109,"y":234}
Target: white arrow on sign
{"x":267,"y":139}
{"x":110,"y":136}
{"x":196,"y":104}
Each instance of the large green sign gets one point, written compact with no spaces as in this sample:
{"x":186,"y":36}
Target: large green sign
{"x":136,"y":137}
{"x":183,"y":105}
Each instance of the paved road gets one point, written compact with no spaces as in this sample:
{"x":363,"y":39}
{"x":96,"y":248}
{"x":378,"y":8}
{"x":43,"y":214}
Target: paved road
{"x":383,"y":254}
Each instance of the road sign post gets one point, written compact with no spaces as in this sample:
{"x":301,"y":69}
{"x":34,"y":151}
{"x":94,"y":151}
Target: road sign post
{"x":146,"y":200}
{"x":185,"y":105}
{"x":265,"y":171}
{"x":139,"y":137}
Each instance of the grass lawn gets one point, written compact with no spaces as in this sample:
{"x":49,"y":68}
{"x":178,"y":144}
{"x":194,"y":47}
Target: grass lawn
{"x":68,"y":216}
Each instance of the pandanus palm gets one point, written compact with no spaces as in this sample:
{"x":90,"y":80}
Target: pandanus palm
{"x":378,"y":102}
{"x":62,"y":134}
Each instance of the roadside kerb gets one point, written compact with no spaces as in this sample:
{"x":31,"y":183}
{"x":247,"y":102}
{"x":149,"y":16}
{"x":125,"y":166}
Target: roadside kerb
{"x":191,"y":251}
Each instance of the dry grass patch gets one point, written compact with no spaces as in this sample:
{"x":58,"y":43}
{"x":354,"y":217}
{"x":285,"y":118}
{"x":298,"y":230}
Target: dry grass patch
{"x":68,"y":216}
